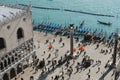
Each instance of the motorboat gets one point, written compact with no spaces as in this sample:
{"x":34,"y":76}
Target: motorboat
{"x":104,"y":23}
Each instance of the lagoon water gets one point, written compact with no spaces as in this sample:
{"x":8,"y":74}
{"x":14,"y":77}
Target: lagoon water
{"x":107,"y":7}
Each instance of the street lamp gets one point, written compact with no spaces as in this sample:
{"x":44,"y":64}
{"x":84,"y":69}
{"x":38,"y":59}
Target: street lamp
{"x":71,"y":39}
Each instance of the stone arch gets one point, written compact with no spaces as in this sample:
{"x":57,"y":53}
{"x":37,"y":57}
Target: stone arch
{"x":20,"y":33}
{"x":6,"y":77}
{"x":9,"y":61}
{"x":16,"y":56}
{"x":12,"y":73}
{"x":19,"y":68}
{"x":12,"y":59}
{"x":2,"y":43}
{"x":5,"y":63}
{"x":1,"y":65}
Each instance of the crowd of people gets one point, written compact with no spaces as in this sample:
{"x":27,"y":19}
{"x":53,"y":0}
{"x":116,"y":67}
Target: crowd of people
{"x":68,"y":63}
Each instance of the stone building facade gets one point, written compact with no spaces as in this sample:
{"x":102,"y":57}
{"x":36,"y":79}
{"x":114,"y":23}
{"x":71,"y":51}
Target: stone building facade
{"x":16,"y":40}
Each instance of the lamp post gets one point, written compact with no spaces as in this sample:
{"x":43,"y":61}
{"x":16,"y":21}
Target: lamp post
{"x":71,"y":39}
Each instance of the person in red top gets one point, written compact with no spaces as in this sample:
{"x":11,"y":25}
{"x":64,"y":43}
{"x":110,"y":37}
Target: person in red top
{"x":50,"y":46}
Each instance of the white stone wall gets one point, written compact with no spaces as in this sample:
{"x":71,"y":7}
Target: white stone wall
{"x":10,"y":35}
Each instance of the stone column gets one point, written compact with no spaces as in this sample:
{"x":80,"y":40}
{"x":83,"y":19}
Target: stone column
{"x":13,"y":55}
{"x":1,"y":77}
{"x":8,"y":74}
{"x":71,"y":39}
{"x":16,"y":71}
{"x":10,"y":60}
{"x":3,"y":65}
{"x":22,"y":66}
{"x":33,"y":56}
{"x":27,"y":60}
{"x":6,"y":63}
{"x":0,"y":66}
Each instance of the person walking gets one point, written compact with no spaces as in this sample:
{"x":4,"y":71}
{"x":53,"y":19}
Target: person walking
{"x":110,"y":50}
{"x":97,"y":46}
{"x":53,"y":40}
{"x":88,"y":72}
{"x":15,"y":78}
{"x":52,"y":78}
{"x":44,"y":52}
{"x":89,"y":76}
{"x":63,"y":44}
{"x":22,"y":79}
{"x":38,"y":44}
{"x":98,"y":69}
{"x":62,"y":78}
{"x":31,"y":78}
{"x":49,"y":56}
{"x":60,"y":40}
{"x":70,"y":72}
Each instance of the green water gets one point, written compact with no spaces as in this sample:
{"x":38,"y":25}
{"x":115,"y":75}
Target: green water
{"x":108,"y":7}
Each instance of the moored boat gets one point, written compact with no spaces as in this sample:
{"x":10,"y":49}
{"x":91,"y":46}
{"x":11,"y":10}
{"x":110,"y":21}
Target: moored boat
{"x":82,"y":24}
{"x":104,"y":23}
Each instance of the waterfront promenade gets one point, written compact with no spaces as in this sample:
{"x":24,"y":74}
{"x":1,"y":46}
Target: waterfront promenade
{"x":96,"y":71}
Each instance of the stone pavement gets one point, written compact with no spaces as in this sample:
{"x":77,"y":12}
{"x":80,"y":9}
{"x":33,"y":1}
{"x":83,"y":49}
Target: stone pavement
{"x":103,"y":74}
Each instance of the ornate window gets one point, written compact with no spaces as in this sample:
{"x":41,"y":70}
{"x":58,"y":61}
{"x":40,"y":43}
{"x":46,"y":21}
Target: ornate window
{"x":6,"y":77}
{"x":12,"y":73}
{"x":2,"y":43}
{"x":20,"y":33}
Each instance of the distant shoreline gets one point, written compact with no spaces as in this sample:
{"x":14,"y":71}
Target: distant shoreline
{"x":68,"y":10}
